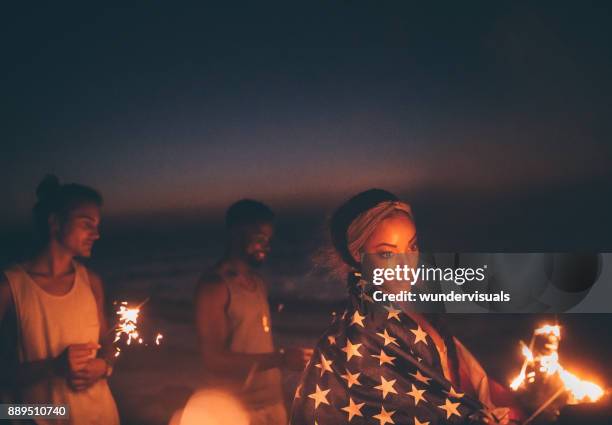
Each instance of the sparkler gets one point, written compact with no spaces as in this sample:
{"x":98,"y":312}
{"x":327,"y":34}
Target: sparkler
{"x":127,"y":324}
{"x":547,"y":363}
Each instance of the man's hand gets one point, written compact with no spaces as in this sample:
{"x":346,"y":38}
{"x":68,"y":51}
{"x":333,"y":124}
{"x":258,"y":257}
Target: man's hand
{"x":85,"y":378}
{"x":296,"y":358}
{"x":75,"y":359}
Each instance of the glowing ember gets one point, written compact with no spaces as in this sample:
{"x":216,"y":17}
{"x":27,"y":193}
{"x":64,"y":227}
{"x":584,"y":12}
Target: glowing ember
{"x":554,"y":330}
{"x":580,"y":389}
{"x":527,"y":352}
{"x":516,"y":382}
{"x":548,"y":363}
{"x":127,"y":324}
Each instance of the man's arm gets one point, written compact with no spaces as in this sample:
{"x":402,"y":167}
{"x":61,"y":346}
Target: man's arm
{"x":107,"y":351}
{"x":97,"y":367}
{"x":212,"y":299}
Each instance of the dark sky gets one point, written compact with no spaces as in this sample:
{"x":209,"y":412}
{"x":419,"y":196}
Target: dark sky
{"x":164,"y":107}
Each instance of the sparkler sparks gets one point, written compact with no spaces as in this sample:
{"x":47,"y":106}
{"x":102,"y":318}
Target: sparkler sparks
{"x":127,"y":324}
{"x":548,"y":364}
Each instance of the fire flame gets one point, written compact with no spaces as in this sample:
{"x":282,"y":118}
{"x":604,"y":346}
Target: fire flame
{"x":548,"y":363}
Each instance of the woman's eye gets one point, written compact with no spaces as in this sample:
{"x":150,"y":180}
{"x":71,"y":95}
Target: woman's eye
{"x":385,"y":254}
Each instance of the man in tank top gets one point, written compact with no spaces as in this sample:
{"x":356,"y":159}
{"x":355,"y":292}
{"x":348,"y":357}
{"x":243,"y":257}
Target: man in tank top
{"x":51,"y":314}
{"x":233,"y":320}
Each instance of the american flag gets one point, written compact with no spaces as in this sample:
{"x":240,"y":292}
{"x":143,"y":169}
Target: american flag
{"x":375,"y":365}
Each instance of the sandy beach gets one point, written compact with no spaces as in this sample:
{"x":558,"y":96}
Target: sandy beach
{"x":150,"y":383}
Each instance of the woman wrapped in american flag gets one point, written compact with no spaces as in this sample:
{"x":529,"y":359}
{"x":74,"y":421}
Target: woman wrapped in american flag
{"x":380,"y":363}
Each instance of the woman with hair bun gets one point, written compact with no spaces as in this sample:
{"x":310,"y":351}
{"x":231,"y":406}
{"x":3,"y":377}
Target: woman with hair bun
{"x":51,"y":313}
{"x":379,"y":363}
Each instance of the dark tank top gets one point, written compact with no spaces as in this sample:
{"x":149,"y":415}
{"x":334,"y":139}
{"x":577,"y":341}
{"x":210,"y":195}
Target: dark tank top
{"x":250,"y":331}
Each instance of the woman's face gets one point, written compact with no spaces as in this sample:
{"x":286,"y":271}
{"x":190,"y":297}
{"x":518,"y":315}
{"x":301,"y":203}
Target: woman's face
{"x":395,"y":234}
{"x":393,"y":243}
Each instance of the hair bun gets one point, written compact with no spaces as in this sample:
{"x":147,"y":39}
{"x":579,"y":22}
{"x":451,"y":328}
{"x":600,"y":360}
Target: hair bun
{"x":47,"y":187}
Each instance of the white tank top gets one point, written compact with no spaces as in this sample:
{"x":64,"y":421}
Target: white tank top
{"x":46,"y":325}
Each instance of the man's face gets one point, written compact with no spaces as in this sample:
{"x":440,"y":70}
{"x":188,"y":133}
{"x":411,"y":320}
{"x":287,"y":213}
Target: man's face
{"x":80,"y":230}
{"x":257,"y":242}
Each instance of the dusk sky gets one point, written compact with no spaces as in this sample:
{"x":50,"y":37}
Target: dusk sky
{"x":164,"y":107}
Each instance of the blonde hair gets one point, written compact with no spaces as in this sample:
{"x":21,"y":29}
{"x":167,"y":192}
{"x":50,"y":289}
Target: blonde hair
{"x":362,"y":227}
